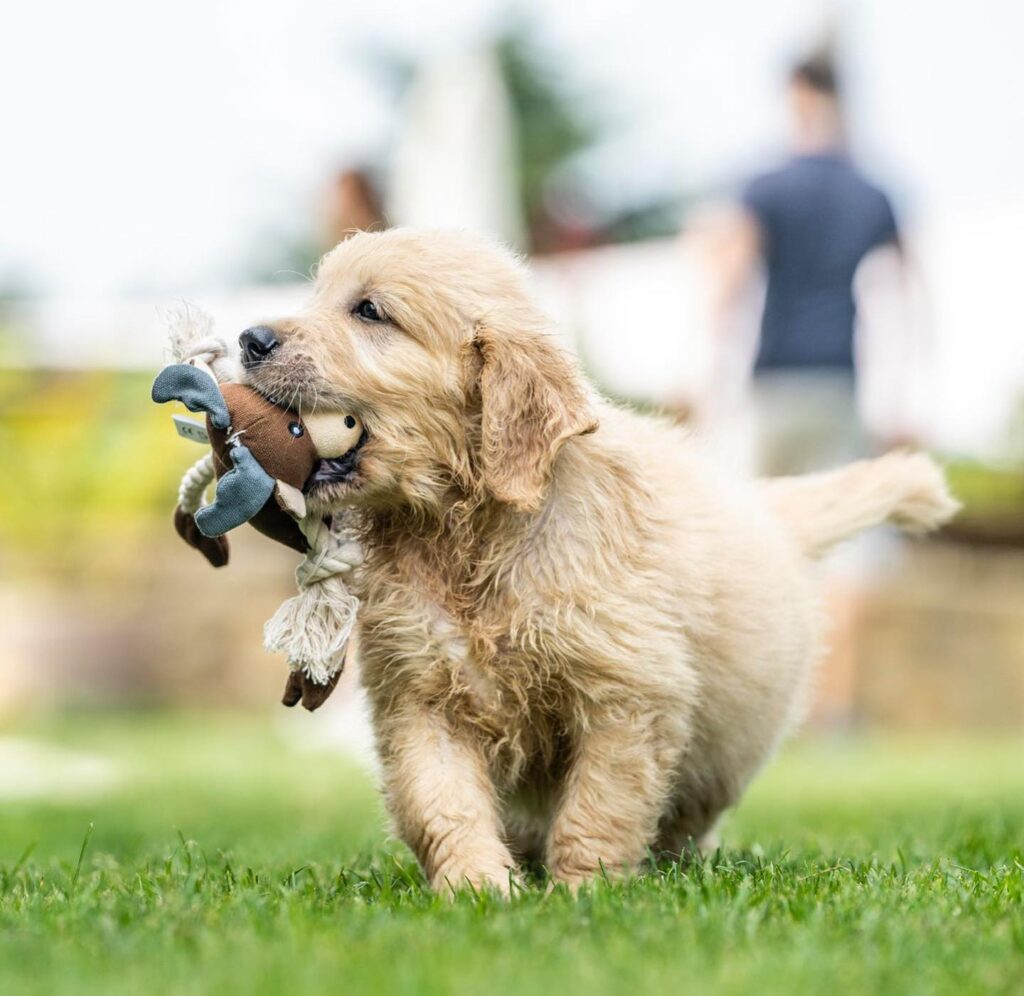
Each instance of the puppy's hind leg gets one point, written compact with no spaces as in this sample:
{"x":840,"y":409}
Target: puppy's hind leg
{"x":687,"y":830}
{"x":699,"y":798}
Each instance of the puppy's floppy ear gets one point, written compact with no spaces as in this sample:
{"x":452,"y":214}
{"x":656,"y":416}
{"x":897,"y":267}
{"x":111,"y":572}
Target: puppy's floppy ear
{"x":532,"y":399}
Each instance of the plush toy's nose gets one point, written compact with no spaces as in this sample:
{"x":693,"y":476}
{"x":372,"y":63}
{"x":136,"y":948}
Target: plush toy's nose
{"x":257,"y":344}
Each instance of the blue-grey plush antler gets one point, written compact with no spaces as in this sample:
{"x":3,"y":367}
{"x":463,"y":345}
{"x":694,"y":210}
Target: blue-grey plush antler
{"x":241,"y":493}
{"x":244,"y":489}
{"x":195,"y":389}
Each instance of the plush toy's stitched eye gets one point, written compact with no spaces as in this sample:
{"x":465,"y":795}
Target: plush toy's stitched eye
{"x":368,"y":310}
{"x":350,"y":422}
{"x":295,"y":428}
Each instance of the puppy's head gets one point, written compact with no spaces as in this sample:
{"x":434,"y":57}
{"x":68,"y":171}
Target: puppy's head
{"x":432,"y":339}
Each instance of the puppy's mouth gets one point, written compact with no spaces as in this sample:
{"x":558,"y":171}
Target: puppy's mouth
{"x":336,"y":470}
{"x":333,"y":478}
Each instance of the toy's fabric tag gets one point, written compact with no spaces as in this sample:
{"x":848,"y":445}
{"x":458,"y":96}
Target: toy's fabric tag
{"x":191,"y":429}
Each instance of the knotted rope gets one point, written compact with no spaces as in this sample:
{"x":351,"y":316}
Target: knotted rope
{"x":194,"y":484}
{"x":314,"y":626}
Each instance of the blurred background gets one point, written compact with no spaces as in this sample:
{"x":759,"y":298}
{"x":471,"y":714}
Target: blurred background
{"x":699,"y":187}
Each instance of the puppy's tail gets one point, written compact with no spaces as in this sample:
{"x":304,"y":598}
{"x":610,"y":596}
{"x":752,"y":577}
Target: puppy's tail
{"x":906,"y":489}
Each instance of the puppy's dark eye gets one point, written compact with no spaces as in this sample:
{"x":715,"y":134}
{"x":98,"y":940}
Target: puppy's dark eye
{"x":368,"y":310}
{"x":350,"y":422}
{"x":295,"y":428}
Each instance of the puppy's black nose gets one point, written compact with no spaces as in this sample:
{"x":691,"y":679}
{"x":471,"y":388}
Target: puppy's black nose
{"x":257,"y":344}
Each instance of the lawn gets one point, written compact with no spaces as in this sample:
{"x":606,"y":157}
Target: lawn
{"x":228,"y":857}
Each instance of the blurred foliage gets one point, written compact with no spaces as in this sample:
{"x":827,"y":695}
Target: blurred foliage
{"x":660,"y":219}
{"x":550,"y":127}
{"x":992,"y":492}
{"x":92,"y":463}
{"x":993,"y":503}
{"x":984,"y":488}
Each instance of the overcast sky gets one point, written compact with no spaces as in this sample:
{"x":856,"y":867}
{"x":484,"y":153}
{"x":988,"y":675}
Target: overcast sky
{"x":149,"y":146}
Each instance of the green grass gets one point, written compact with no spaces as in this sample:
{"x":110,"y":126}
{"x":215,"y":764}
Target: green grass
{"x":229,"y":861}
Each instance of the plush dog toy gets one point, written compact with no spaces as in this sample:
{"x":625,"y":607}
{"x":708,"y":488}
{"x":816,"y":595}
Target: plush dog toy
{"x":262,"y":456}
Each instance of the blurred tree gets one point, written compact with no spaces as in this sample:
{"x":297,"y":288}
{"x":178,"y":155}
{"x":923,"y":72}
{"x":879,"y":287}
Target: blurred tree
{"x":556,"y":124}
{"x":550,"y":128}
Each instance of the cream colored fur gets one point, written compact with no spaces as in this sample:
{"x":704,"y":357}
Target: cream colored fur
{"x":578,"y":643}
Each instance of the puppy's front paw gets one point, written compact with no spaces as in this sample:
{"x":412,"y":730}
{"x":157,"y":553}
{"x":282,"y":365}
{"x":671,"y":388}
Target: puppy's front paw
{"x":490,"y":873}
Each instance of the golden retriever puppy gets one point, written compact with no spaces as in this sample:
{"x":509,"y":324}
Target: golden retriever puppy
{"x":577,"y":644}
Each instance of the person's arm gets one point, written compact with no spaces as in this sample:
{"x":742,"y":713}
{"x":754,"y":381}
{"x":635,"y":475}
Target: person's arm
{"x":892,"y":309}
{"x":733,"y":257}
{"x":725,"y":245}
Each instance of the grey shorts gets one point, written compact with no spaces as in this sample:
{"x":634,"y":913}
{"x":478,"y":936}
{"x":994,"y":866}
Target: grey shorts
{"x":805,"y":421}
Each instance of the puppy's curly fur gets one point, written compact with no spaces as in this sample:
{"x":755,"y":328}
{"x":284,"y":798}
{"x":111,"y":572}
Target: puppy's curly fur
{"x":578,"y":644}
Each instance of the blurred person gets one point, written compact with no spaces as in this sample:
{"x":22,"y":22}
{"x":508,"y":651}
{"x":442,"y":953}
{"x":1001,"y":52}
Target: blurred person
{"x":353,"y":205}
{"x":809,"y":224}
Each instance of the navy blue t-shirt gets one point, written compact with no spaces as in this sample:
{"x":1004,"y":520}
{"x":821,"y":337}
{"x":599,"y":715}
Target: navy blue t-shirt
{"x":818,"y":218}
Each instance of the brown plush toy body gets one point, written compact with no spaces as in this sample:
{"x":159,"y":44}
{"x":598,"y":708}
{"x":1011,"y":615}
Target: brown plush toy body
{"x":282,"y":446}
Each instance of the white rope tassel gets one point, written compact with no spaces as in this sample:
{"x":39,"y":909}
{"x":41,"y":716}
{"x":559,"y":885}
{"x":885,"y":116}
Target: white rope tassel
{"x":191,"y":337}
{"x":313,"y":627}
{"x":223,"y":362}
{"x":195,"y":482}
